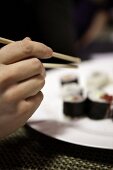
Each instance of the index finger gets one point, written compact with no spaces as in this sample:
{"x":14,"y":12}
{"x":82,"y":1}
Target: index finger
{"x":20,"y":50}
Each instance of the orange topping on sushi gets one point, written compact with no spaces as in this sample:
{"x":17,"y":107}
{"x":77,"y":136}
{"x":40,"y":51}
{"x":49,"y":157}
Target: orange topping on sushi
{"x":107,"y":97}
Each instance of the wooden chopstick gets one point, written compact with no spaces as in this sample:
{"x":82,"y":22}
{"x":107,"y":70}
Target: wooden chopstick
{"x":54,"y":65}
{"x":66,"y":57}
{"x":5,"y":41}
{"x":55,"y":54}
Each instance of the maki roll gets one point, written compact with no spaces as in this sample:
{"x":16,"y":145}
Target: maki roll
{"x":97,"y":80}
{"x":69,"y":78}
{"x":73,"y":100}
{"x":98,"y":104}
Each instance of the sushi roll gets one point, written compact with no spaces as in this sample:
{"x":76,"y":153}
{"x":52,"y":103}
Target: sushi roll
{"x":109,"y":97}
{"x":97,"y":80}
{"x":69,"y":78}
{"x":73,"y":100}
{"x":98,"y":104}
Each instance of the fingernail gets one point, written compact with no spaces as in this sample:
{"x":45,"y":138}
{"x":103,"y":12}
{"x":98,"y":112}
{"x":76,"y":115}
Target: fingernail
{"x":50,"y":52}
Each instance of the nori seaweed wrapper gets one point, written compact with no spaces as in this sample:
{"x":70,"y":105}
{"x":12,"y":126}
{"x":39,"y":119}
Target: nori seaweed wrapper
{"x":73,"y":109}
{"x":97,"y":110}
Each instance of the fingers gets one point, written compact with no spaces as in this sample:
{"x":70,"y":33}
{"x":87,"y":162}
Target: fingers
{"x":22,"y":76}
{"x":24,"y":89}
{"x":34,"y":102}
{"x":23,"y":49}
{"x":30,"y":87}
{"x":25,"y":69}
{"x":28,"y":107}
{"x":22,"y":112}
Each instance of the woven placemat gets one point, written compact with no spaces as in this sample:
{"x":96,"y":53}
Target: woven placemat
{"x":26,"y":150}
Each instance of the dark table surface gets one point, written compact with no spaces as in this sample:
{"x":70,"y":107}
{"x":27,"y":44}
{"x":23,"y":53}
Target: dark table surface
{"x":27,"y":149}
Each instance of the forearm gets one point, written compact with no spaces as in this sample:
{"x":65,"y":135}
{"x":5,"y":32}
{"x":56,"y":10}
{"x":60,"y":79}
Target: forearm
{"x":97,"y":26}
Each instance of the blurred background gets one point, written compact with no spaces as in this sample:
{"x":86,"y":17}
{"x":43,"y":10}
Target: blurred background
{"x":74,"y":27}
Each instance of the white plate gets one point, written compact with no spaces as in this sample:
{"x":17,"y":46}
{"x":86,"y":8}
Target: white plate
{"x":50,"y":120}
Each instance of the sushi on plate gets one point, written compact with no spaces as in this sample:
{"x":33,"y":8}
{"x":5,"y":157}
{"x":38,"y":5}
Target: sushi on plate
{"x":74,"y":99}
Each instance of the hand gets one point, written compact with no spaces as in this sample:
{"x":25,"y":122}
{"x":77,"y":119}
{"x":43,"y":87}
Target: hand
{"x":22,"y":76}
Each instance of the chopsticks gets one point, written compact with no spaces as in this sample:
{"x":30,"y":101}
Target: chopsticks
{"x":54,"y":65}
{"x":5,"y":41}
{"x":75,"y":60}
{"x":67,"y":57}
